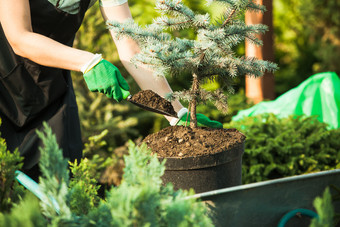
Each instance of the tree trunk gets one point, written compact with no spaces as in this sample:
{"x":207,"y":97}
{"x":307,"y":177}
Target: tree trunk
{"x":258,"y":89}
{"x":193,"y":103}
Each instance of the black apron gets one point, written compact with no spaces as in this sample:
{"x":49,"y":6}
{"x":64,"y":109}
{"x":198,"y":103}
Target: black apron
{"x":31,"y":94}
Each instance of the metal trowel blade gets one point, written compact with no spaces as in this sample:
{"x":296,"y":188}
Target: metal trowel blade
{"x":149,"y":108}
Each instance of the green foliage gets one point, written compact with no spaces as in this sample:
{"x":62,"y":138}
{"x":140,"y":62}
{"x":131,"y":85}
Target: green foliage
{"x":325,"y":210}
{"x":295,"y":145}
{"x":135,"y":171}
{"x":83,"y":188}
{"x":55,"y":178}
{"x":140,"y":200}
{"x":98,"y":156}
{"x":236,"y":102}
{"x":9,"y":188}
{"x":26,"y":213}
{"x":306,"y":40}
{"x":172,"y":56}
{"x":179,"y":212}
{"x":138,"y":195}
{"x":336,"y":199}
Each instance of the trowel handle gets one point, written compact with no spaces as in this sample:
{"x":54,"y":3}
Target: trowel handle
{"x":29,"y":184}
{"x":34,"y":187}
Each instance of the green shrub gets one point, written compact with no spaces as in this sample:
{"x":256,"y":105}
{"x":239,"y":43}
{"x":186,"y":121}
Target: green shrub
{"x":140,"y":200}
{"x":325,"y":210}
{"x":26,"y":213}
{"x":277,"y":148}
{"x":9,"y":188}
{"x":84,"y":189}
{"x":306,"y":40}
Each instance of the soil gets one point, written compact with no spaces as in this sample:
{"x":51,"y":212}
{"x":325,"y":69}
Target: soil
{"x":181,"y":141}
{"x":152,"y":100}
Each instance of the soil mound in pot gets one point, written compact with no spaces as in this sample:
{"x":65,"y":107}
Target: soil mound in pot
{"x":181,"y":141}
{"x":153,"y":100}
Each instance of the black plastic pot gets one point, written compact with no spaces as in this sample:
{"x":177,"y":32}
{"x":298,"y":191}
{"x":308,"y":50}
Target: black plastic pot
{"x":205,"y":173}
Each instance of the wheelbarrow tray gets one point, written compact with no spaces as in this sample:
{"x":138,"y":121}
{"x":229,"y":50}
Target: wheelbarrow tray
{"x":265,"y":203}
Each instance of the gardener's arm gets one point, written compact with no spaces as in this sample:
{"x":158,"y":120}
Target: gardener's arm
{"x":15,"y":20}
{"x":100,"y":76}
{"x":127,"y":48}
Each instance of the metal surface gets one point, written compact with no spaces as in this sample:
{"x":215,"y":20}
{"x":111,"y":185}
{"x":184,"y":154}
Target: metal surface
{"x":149,"y":108}
{"x":265,"y":203}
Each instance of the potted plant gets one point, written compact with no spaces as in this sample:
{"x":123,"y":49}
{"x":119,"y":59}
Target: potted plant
{"x":197,"y":157}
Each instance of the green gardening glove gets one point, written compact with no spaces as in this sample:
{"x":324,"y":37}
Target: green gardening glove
{"x":202,"y":121}
{"x":105,"y":78}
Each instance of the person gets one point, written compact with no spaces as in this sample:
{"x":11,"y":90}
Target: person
{"x":36,"y":38}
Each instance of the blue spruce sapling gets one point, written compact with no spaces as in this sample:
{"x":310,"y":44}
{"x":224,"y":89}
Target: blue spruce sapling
{"x":210,"y":56}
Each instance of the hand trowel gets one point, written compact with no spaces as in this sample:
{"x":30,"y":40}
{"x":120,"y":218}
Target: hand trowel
{"x":145,"y":106}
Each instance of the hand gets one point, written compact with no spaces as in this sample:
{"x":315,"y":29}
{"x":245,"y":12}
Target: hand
{"x":106,"y":78}
{"x":202,"y":121}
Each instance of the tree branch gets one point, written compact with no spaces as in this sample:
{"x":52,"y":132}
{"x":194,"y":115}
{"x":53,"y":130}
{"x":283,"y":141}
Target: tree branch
{"x":229,"y":18}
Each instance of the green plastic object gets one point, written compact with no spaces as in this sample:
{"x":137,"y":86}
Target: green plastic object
{"x":34,"y":187}
{"x":318,"y":95}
